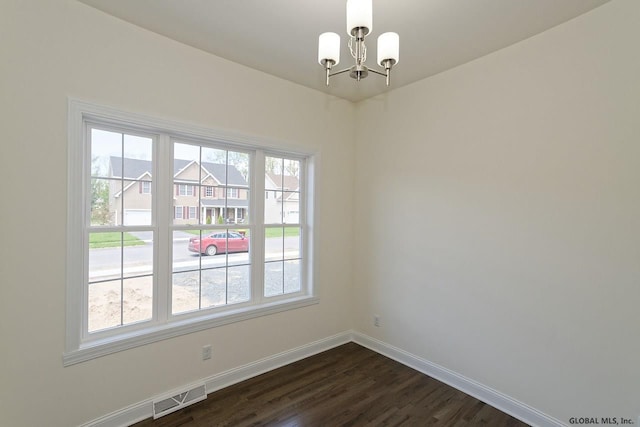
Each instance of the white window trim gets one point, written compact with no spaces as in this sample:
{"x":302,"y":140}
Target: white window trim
{"x":77,"y":350}
{"x":188,"y":190}
{"x":177,"y":209}
{"x":231,"y":190}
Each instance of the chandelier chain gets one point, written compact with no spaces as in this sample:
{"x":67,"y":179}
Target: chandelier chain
{"x":354,"y":53}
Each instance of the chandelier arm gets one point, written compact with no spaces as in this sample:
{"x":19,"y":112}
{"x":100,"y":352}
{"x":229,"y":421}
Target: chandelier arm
{"x":377,"y":72}
{"x":340,"y":72}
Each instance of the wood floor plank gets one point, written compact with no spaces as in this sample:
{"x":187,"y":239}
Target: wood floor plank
{"x":346,"y":386}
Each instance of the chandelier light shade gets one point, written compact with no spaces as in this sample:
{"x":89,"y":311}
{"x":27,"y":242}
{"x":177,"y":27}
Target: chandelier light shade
{"x":359,"y":15}
{"x":359,"y":25}
{"x":388,"y":48}
{"x":329,"y":48}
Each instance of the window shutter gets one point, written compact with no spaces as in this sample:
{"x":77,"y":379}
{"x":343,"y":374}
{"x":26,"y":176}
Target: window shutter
{"x":140,"y":187}
{"x":185,"y":212}
{"x":193,"y":190}
{"x":177,"y":190}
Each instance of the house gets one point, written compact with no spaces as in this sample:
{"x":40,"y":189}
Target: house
{"x":203,"y":193}
{"x":488,"y":215}
{"x":282,"y":198}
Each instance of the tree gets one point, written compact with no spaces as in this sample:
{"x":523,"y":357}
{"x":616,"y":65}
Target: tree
{"x":100,"y":214}
{"x":273,"y":165}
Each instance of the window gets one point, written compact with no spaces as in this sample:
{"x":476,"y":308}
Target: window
{"x":282,"y":272}
{"x":192,"y":212}
{"x":232,"y":193}
{"x":143,"y":265}
{"x":185,"y":190}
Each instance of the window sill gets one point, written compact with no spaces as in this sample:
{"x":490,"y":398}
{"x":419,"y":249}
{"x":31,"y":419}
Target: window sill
{"x":99,"y":348}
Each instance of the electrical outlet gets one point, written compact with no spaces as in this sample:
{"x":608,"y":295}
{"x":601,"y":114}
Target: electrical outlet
{"x":206,"y":352}
{"x":376,"y":320}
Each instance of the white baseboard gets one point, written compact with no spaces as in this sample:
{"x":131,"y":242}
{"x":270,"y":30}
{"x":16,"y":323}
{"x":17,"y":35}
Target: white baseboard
{"x":143,"y":410}
{"x":481,"y":392}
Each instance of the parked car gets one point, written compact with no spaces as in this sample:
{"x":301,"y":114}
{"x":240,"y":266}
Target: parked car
{"x":220,"y":242}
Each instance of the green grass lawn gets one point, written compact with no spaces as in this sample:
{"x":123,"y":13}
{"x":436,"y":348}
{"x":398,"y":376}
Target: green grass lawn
{"x":277,"y":232}
{"x":111,"y":240}
{"x":269,"y":232}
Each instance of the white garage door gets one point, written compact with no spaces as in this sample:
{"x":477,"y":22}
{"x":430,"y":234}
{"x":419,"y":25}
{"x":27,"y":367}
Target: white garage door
{"x":137,"y":217}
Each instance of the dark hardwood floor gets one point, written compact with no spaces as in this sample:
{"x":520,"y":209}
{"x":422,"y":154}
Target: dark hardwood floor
{"x":346,"y":386}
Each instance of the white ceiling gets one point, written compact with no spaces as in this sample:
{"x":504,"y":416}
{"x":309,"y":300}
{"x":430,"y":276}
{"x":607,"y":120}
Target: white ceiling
{"x":280,"y":37}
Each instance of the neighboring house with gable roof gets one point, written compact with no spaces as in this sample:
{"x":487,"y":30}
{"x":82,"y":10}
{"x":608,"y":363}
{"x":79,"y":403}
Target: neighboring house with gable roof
{"x":282,"y":199}
{"x":202,"y":193}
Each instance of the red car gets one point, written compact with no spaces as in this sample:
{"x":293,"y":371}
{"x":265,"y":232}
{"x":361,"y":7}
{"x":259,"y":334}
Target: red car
{"x":216,"y":243}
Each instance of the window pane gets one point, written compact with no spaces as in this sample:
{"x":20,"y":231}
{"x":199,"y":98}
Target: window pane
{"x":237,"y":191}
{"x":106,"y":153}
{"x":222,"y":286}
{"x":137,"y":157}
{"x":105,"y":195}
{"x":113,"y":301}
{"x":291,"y":276}
{"x":273,"y":168}
{"x":136,"y":208}
{"x":137,"y":303}
{"x":273,"y":243}
{"x":214,"y":287}
{"x":104,"y":305}
{"x":138,"y":254}
{"x":186,"y":267}
{"x":282,"y":256}
{"x":291,"y":243}
{"x":187,"y":177}
{"x":184,"y":154}
{"x":214,"y":161}
{"x":291,"y":174}
{"x":239,"y":284}
{"x":211,"y":268}
{"x":186,"y":247}
{"x":105,"y":256}
{"x":273,"y":278}
{"x":239,"y":245}
{"x":282,"y":182}
{"x":185,"y":292}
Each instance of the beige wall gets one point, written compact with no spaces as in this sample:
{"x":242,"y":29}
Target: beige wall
{"x":54,"y":49}
{"x":511,"y":258}
{"x":515,"y":257}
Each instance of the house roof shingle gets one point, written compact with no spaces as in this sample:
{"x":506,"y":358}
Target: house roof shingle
{"x":135,"y":168}
{"x":285,"y":182}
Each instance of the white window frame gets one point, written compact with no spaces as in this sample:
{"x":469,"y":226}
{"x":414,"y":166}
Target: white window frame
{"x":177,"y":209}
{"x":231,"y":190}
{"x":80,"y":346}
{"x":188,"y":190}
{"x":146,"y":187}
{"x":189,"y":214}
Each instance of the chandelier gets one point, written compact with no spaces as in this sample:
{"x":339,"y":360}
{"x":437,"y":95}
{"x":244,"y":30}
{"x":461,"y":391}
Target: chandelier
{"x":359,"y":25}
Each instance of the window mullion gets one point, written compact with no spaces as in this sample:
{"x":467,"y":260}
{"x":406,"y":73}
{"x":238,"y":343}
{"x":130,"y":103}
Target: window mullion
{"x":163,"y":217}
{"x":257,"y":217}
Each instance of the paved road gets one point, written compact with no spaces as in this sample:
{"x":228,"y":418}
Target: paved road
{"x":105,"y":262}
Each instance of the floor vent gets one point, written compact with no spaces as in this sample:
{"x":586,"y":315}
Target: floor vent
{"x":167,"y":405}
